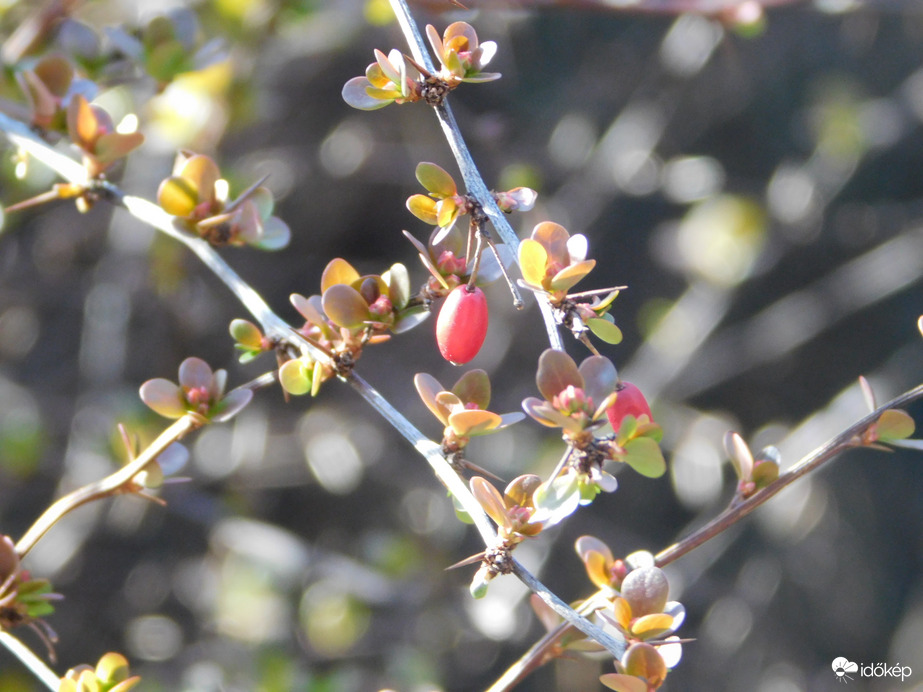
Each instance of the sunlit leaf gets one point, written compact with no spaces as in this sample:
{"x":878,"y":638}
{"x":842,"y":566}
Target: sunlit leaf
{"x":533,"y":259}
{"x":553,"y":238}
{"x":645,"y":457}
{"x":345,"y":306}
{"x":338,"y":271}
{"x":436,"y":179}
{"x":556,"y":500}
{"x":491,"y":500}
{"x":473,"y":422}
{"x":570,"y":275}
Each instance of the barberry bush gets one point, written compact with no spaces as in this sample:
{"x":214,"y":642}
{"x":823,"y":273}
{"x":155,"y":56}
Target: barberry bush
{"x":304,"y":304}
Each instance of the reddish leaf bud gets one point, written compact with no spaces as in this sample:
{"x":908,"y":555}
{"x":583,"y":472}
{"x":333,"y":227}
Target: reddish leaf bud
{"x":462,"y":324}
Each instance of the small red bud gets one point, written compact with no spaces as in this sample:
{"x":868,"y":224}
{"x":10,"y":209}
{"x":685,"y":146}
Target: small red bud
{"x":462,"y":324}
{"x":628,"y":401}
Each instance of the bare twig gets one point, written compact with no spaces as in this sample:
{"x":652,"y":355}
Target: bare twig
{"x":28,"y":658}
{"x":847,"y":439}
{"x":107,"y":486}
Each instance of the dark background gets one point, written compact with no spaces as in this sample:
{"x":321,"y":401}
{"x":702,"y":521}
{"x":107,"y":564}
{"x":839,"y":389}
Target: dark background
{"x":307,"y":552}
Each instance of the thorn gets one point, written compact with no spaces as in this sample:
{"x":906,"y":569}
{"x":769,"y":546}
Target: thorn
{"x":472,"y":560}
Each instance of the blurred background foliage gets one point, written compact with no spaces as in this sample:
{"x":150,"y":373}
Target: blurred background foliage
{"x":760,"y":194}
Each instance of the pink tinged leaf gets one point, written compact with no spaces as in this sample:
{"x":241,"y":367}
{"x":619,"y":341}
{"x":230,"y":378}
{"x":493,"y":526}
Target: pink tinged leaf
{"x":533,"y":259}
{"x":232,"y":404}
{"x":544,"y":413}
{"x":646,"y":590}
{"x":867,"y":393}
{"x":295,"y":376}
{"x":435,"y":41}
{"x":428,"y":388}
{"x":645,"y":457}
{"x":196,"y":373}
{"x":345,"y":306}
{"x":553,"y":238}
{"x":310,"y":310}
{"x":164,"y":397}
{"x":570,"y":275}
{"x":605,"y":329}
{"x":461,"y":34}
{"x":623,"y":683}
{"x":739,"y":454}
{"x":524,"y":197}
{"x":356,"y":94}
{"x":473,"y":388}
{"x":556,"y":372}
{"x":599,"y":377}
{"x":643,"y":661}
{"x":246,"y":333}
{"x":338,"y":271}
{"x":490,"y":499}
{"x":114,"y":145}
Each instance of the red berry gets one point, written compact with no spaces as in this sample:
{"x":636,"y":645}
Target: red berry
{"x":462,"y":324}
{"x":629,"y":401}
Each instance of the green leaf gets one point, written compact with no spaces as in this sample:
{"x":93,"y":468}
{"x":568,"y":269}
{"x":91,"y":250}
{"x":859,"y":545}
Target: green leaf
{"x":570,"y":275}
{"x":474,"y":388}
{"x":894,"y":424}
{"x":556,"y":500}
{"x":436,"y":179}
{"x":605,"y":329}
{"x":645,"y":457}
{"x":295,"y":377}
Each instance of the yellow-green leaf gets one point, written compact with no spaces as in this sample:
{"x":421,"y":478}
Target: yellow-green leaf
{"x":533,"y":259}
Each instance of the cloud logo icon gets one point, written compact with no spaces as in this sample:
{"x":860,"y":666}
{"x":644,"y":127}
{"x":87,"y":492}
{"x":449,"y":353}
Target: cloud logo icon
{"x":842,"y":667}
